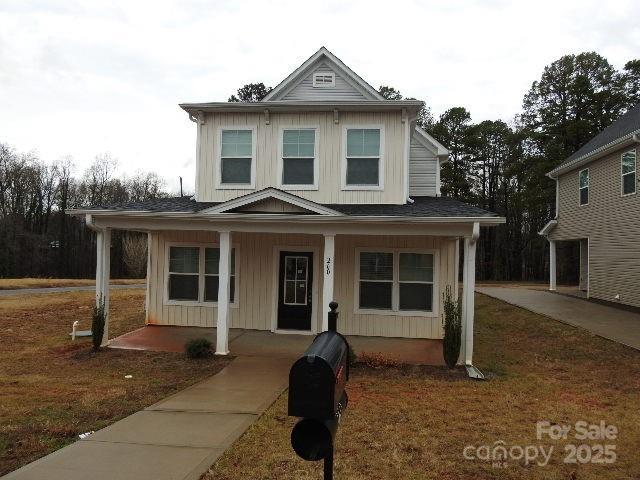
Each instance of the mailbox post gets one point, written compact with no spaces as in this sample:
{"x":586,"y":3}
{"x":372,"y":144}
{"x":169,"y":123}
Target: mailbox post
{"x":317,"y":393}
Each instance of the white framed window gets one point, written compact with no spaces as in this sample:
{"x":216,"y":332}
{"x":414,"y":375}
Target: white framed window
{"x":363,"y":159}
{"x":628,"y":172}
{"x":324,"y":79}
{"x":583,"y":186}
{"x":193,"y":274}
{"x":297,"y":162}
{"x":236,"y":158}
{"x":296,"y":280}
{"x":396,"y":282}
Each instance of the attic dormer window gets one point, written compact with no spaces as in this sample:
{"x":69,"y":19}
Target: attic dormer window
{"x":324,"y":79}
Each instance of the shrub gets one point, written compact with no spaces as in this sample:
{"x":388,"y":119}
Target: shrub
{"x":452,"y":323}
{"x":377,"y":361}
{"x":97,"y":324}
{"x":353,"y":358}
{"x":198,"y":348}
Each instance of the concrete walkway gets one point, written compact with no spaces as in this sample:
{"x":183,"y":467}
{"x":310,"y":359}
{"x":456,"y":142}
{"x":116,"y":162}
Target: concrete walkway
{"x":84,"y":288}
{"x":178,"y":438}
{"x":615,"y":324}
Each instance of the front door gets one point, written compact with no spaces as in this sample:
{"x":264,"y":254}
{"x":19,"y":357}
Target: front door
{"x":295,"y":291}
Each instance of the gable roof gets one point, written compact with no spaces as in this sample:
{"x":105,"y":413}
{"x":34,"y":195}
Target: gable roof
{"x":270,"y":193}
{"x":614,"y":136}
{"x":428,"y":141}
{"x":303,"y":70}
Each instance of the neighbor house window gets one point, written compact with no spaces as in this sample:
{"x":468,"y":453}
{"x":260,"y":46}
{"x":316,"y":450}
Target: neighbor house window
{"x":583,"y":178}
{"x":194,"y":274}
{"x":298,"y":157}
{"x":396,"y":281}
{"x":629,"y":172}
{"x":362,"y":157}
{"x":236,"y":157}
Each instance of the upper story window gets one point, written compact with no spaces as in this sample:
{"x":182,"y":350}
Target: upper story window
{"x":628,"y":172}
{"x":362,"y":169}
{"x":324,"y":79}
{"x":299,"y":165}
{"x":237,"y":158}
{"x":583,"y":178}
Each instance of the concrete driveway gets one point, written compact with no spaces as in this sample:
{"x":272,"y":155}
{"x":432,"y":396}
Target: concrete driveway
{"x":615,"y":324}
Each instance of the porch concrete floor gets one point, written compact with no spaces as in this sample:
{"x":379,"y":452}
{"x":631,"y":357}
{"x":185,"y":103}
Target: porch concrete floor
{"x":268,"y":344}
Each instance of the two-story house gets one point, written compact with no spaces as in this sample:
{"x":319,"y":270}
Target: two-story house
{"x":597,"y":205}
{"x":322,"y":191}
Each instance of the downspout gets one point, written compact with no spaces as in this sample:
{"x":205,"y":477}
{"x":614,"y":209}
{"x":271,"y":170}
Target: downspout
{"x":472,"y":371}
{"x":408,"y":127}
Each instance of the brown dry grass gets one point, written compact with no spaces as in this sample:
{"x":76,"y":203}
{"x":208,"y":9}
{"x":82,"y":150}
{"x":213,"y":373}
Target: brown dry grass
{"x":20,"y":283}
{"x":54,"y":389}
{"x":413,"y":423}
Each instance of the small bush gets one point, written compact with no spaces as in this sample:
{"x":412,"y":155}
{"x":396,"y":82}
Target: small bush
{"x":452,"y":323}
{"x":353,"y":358}
{"x":97,"y":324}
{"x":377,"y":361}
{"x":198,"y":348}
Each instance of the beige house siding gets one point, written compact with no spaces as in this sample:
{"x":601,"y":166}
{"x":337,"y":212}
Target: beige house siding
{"x":423,"y":165}
{"x":329,"y":155}
{"x":256,"y":266}
{"x":610,"y":222}
{"x":305,"y":90}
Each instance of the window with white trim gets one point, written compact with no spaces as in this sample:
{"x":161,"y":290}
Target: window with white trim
{"x":193,"y":274}
{"x":362,"y":157}
{"x":583,"y":179}
{"x":298,"y":157}
{"x":628,"y":172}
{"x":324,"y":79}
{"x":396,"y":281}
{"x":236,"y":157}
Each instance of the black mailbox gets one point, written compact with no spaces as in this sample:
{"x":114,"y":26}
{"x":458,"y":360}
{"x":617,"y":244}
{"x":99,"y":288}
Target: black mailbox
{"x":317,"y":394}
{"x":317,"y":379}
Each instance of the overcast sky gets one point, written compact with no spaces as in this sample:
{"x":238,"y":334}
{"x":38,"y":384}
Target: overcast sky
{"x":85,"y":77}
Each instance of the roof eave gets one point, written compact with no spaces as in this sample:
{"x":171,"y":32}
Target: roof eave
{"x":620,"y":142}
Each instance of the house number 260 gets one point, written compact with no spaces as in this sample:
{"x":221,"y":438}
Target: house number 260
{"x":329,"y":266}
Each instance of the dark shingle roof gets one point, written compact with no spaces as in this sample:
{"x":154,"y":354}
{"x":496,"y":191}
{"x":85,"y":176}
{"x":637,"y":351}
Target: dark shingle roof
{"x":626,"y":124}
{"x":422,"y":207}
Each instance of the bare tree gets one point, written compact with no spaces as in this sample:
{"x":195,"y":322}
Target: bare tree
{"x":135,"y":253}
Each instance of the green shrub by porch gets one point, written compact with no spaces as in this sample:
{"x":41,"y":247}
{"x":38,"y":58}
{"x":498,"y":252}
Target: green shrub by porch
{"x":198,"y":348}
{"x":452,"y":323}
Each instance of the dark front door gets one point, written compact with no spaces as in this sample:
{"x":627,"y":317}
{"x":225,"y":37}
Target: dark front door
{"x":295,"y":290}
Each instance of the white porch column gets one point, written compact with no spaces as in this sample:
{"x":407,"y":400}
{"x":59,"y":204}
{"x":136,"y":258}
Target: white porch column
{"x":552,"y":265}
{"x":103,"y":273}
{"x":468,"y":301}
{"x":327,"y":284}
{"x":224,"y":271}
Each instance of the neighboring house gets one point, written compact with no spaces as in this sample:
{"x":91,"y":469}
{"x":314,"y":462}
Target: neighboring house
{"x":322,"y":191}
{"x":597,"y":205}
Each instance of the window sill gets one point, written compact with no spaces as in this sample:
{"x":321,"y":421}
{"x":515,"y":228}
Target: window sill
{"x":289,"y":188}
{"x":237,"y":186}
{"x":395,"y":313}
{"x":363,"y":187}
{"x":192,"y":303}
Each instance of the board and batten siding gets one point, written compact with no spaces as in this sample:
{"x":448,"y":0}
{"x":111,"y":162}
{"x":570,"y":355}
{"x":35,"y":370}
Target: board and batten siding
{"x":610,"y":222}
{"x":257,"y":285}
{"x":330,"y":155}
{"x":423,"y":165}
{"x":305,"y":90}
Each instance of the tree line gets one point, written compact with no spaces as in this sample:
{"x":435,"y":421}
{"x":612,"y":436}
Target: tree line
{"x":38,"y":239}
{"x":496,"y":165}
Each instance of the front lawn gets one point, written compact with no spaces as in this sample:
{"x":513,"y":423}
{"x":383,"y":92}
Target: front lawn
{"x":414,"y":423}
{"x":20,"y":283}
{"x":53,"y":389}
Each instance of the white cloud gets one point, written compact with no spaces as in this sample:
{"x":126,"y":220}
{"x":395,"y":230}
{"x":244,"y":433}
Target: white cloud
{"x":81,"y":78}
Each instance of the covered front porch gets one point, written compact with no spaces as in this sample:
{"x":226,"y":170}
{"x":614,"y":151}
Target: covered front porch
{"x":242,"y":342}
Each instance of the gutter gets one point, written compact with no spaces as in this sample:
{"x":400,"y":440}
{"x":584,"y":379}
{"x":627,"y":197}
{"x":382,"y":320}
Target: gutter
{"x":279,"y":217}
{"x":630,"y":138}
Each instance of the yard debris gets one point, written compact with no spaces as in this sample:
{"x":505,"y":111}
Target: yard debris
{"x":128,"y":376}
{"x":85,"y":435}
